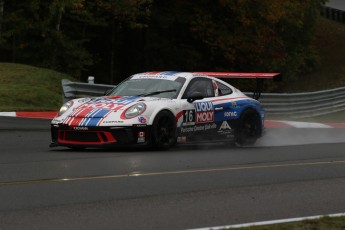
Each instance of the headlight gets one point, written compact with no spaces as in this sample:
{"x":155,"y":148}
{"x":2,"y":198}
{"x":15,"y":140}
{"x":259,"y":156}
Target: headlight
{"x":65,"y":107}
{"x":135,"y":110}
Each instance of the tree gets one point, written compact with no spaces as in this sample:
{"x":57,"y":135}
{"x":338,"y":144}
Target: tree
{"x":122,"y":17}
{"x":258,"y":35}
{"x":33,"y":34}
{"x":2,"y":3}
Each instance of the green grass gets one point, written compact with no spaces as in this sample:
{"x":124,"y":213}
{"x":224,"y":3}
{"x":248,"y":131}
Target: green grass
{"x":27,"y":88}
{"x":325,"y":223}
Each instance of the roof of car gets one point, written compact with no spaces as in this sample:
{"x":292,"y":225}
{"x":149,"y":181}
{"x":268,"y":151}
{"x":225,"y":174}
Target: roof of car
{"x":174,"y":74}
{"x":167,"y":75}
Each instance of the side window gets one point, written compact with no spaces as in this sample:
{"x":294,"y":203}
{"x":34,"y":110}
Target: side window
{"x":200,"y":85}
{"x":223,"y":89}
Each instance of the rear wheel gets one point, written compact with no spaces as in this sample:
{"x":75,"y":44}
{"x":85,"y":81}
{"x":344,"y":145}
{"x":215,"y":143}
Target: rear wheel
{"x":249,"y":128}
{"x":164,"y":131}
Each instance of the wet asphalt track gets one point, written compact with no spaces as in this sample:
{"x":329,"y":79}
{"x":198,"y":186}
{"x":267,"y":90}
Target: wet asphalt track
{"x":290,"y":173}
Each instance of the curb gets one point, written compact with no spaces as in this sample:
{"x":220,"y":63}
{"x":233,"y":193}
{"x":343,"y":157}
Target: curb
{"x":299,"y":124}
{"x":45,"y":115}
{"x":268,"y":123}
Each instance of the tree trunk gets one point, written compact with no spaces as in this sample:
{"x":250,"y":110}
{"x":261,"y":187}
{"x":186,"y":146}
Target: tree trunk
{"x":2,"y":3}
{"x":58,"y":23}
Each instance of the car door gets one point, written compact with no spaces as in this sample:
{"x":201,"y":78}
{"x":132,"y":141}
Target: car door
{"x":198,"y":116}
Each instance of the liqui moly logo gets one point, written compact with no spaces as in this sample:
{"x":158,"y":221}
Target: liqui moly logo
{"x":204,"y":112}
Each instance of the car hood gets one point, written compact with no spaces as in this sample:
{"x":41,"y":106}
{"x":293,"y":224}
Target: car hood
{"x":105,"y":111}
{"x":102,"y":106}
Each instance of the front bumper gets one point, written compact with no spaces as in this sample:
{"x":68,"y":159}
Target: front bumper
{"x":82,"y":136}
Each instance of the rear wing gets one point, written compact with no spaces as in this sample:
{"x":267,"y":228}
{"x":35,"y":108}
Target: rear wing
{"x":258,"y":76}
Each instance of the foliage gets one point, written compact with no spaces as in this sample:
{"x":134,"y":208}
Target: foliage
{"x":112,"y":39}
{"x":258,"y":35}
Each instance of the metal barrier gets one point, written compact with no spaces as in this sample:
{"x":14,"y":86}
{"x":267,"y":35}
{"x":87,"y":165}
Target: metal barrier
{"x":72,"y":90}
{"x":304,"y":104}
{"x":333,"y":14}
{"x":288,"y":105}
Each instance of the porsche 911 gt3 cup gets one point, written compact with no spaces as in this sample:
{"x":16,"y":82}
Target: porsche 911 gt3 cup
{"x":159,"y":109}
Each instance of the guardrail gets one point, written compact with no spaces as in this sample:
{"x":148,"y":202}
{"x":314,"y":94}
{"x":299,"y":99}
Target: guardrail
{"x":333,"y":14}
{"x":72,"y":90}
{"x":292,"y":105}
{"x":304,"y":104}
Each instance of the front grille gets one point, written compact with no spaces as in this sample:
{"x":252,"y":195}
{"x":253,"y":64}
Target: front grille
{"x":82,"y":136}
{"x":85,"y":137}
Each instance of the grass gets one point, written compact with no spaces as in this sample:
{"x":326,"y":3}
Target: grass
{"x":334,"y":223}
{"x":27,"y":88}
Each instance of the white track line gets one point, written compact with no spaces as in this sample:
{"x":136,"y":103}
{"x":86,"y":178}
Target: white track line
{"x":270,"y":222}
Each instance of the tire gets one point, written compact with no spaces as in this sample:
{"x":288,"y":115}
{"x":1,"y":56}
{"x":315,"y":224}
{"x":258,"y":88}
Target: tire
{"x":249,"y":128}
{"x":163,"y":131}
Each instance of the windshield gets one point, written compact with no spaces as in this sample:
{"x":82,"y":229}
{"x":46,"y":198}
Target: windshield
{"x":162,"y":88}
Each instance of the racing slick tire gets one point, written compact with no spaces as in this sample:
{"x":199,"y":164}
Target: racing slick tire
{"x":249,"y":128}
{"x":163,"y":131}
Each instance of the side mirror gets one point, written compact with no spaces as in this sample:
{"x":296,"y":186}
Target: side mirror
{"x":195,"y":96}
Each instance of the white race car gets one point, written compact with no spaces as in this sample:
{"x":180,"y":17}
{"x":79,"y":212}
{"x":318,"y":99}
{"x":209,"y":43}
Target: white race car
{"x":160,"y":109}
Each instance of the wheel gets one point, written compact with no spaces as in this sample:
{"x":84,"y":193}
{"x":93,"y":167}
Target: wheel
{"x":249,"y":128}
{"x":163,"y":131}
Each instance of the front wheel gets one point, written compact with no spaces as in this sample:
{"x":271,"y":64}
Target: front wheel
{"x":249,"y":128}
{"x":164,"y":131}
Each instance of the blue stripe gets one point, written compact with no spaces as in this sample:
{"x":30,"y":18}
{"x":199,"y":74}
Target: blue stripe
{"x":94,"y":121}
{"x":170,"y":73}
{"x":91,"y":114}
{"x":101,"y":113}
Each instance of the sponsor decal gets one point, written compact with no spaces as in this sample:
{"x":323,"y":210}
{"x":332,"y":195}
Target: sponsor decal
{"x":141,"y":137}
{"x":198,"y":128}
{"x":80,"y":128}
{"x":110,"y":104}
{"x":142,"y":120}
{"x":230,"y":114}
{"x":139,"y":125}
{"x":189,"y":117}
{"x":204,"y":112}
{"x":112,"y":122}
{"x":224,"y":128}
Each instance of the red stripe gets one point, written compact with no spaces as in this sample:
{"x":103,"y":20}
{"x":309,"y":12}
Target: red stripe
{"x":76,"y":121}
{"x":178,"y":115}
{"x":154,"y":72}
{"x":232,"y":99}
{"x":276,"y":124}
{"x":85,"y":112}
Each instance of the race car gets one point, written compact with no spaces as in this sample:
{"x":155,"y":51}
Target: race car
{"x":160,"y":109}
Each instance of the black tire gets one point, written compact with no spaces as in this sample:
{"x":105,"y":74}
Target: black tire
{"x":163,"y":131}
{"x":249,"y":128}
